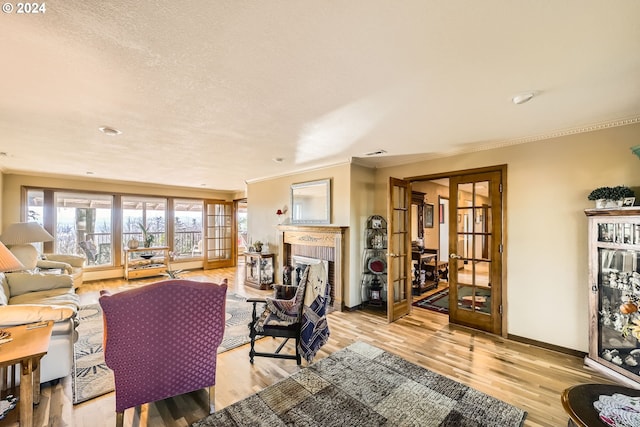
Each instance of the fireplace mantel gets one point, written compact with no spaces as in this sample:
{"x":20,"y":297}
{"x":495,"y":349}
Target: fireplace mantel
{"x":323,"y":242}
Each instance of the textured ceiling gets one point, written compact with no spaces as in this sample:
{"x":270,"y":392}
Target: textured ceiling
{"x":208,"y":92}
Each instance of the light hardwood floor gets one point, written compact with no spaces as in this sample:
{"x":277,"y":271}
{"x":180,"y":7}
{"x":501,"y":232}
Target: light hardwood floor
{"x":526,"y":376}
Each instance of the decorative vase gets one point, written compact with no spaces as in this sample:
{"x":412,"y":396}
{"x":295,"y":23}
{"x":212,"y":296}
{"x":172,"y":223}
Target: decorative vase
{"x":133,"y":244}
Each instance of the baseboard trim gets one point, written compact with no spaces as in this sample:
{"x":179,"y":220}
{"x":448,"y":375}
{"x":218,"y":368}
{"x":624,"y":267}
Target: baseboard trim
{"x":548,"y":346}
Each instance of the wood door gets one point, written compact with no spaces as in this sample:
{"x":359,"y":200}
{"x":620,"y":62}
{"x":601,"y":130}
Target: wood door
{"x":475,"y":251}
{"x":220,"y":243}
{"x":399,"y":257}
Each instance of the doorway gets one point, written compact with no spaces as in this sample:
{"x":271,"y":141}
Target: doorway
{"x":471,"y":217}
{"x":220,"y":247}
{"x":443,"y":229}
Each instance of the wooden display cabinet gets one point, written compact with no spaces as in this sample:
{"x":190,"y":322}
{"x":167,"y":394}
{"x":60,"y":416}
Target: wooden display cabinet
{"x":145,"y":262}
{"x":258,"y":269}
{"x":614,"y":293}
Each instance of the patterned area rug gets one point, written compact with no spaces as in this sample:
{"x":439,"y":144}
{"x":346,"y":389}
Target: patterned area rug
{"x":91,"y":376}
{"x":362,"y":385}
{"x":436,"y":302}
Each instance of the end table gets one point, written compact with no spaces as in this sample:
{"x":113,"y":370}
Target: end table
{"x":578,"y":402}
{"x":29,"y":344}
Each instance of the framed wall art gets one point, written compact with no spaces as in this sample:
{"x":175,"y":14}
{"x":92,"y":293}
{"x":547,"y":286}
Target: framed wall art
{"x":428,"y":215}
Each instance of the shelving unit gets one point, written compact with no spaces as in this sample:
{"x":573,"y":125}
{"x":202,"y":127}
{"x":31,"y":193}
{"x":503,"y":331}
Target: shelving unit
{"x":145,"y":262}
{"x":258,"y":269}
{"x":614,"y":297}
{"x":374,"y":269}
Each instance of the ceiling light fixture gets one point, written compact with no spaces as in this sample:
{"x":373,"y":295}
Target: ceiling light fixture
{"x":109,"y":131}
{"x":523,"y":98}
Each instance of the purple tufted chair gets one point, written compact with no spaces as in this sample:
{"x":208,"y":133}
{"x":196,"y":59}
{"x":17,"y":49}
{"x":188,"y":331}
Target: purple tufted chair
{"x":161,"y":340}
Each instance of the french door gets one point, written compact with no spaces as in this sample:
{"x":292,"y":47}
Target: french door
{"x":475,"y":251}
{"x":220,"y":245}
{"x":399,"y":244}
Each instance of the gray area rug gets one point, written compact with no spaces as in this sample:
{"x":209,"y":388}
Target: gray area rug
{"x":92,"y":377}
{"x":362,"y":385}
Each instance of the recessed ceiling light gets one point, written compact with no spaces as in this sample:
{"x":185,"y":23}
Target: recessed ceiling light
{"x":89,"y":173}
{"x":523,"y":97}
{"x":109,"y":131}
{"x":278,"y":160}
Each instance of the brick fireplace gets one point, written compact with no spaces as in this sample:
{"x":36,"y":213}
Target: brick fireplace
{"x":320,"y":242}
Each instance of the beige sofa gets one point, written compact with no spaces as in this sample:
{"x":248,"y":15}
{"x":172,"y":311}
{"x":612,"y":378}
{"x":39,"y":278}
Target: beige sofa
{"x":27,"y":297}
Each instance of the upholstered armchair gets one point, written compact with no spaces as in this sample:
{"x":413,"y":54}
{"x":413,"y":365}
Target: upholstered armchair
{"x":19,"y":237}
{"x":69,"y":264}
{"x":161,"y":340}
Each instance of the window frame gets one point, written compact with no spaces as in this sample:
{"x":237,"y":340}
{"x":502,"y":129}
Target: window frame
{"x":49,"y":219}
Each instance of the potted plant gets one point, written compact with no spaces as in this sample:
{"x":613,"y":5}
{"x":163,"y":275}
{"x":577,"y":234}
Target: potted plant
{"x":147,"y":238}
{"x":258,"y":245}
{"x":607,"y":197}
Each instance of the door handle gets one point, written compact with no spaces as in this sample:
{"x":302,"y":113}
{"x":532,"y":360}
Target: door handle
{"x":455,"y":256}
{"x":393,"y":255}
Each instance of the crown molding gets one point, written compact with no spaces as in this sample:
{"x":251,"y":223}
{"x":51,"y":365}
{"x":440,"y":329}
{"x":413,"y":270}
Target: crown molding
{"x":415,"y":158}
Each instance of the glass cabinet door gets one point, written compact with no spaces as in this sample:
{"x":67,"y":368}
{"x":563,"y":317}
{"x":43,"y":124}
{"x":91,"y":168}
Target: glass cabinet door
{"x":616,"y":243}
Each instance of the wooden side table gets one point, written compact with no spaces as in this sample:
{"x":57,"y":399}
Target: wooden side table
{"x":29,"y":344}
{"x":578,"y":402}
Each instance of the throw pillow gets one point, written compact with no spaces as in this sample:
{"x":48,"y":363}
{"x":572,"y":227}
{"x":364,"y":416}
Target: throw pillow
{"x":23,"y":282}
{"x":12,"y":315}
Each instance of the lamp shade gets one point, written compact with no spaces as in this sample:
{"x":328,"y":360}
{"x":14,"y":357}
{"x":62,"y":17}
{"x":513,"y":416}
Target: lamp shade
{"x":8,"y":262}
{"x":21,"y":233}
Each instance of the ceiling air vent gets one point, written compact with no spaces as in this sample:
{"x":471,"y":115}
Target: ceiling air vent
{"x":375,"y":153}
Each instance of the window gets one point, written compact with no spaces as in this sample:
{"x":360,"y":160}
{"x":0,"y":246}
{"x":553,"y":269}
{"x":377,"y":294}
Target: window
{"x":187,"y":228}
{"x":99,"y":226}
{"x":83,"y":226}
{"x":35,"y":211}
{"x":243,"y":230}
{"x":146,"y":211}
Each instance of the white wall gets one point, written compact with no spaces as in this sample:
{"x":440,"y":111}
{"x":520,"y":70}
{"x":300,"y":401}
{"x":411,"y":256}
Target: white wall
{"x":547,"y":186}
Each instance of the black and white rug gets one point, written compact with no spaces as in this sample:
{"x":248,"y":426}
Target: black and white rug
{"x":92,"y":377}
{"x":363,"y":385}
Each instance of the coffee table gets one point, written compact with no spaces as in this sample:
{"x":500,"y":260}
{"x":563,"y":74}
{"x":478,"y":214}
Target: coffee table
{"x":578,"y":402}
{"x":29,"y":344}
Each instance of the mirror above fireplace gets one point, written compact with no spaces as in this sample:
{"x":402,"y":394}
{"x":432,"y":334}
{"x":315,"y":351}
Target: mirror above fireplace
{"x":311,"y":202}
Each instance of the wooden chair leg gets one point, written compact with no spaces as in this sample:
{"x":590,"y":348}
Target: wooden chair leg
{"x":212,"y":399}
{"x":119,"y":419}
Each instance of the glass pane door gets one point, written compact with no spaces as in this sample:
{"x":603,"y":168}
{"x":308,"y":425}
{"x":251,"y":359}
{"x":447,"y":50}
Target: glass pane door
{"x":475,"y":264}
{"x":220,"y":234}
{"x":399,"y":235}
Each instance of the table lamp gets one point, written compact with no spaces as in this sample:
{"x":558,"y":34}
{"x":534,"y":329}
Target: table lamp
{"x":18,"y":238}
{"x":8,"y":261}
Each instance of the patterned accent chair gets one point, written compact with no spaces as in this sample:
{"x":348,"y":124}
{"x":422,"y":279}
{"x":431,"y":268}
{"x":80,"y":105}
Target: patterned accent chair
{"x":161,"y":340}
{"x":302,"y":318}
